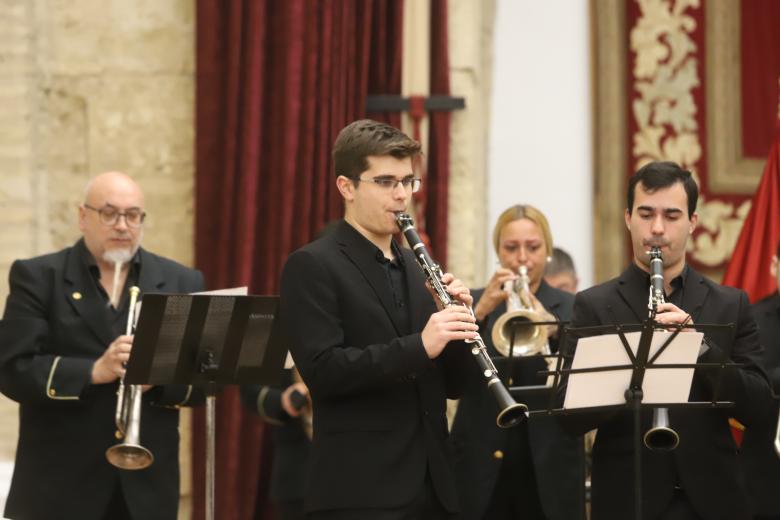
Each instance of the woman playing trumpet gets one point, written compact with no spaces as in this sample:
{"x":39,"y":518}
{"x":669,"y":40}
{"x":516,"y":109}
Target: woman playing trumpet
{"x":533,"y":471}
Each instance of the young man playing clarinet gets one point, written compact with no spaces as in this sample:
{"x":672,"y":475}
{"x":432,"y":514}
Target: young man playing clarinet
{"x":701,"y":478}
{"x":378,"y":358}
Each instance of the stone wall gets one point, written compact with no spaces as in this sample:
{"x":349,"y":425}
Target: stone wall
{"x":87,"y":86}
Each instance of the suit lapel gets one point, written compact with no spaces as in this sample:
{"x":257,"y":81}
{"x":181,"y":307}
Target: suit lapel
{"x":630,"y":289}
{"x":83,"y":296}
{"x":418,"y":294}
{"x":150,"y":277}
{"x":695,"y":292}
{"x":361,"y":252}
{"x":549,"y":298}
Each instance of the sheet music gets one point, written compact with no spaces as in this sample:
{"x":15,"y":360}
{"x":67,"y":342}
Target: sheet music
{"x":232,"y":291}
{"x":670,"y":385}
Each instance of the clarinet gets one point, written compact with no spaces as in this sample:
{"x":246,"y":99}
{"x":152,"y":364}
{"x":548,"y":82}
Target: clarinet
{"x":510,"y":413}
{"x":660,"y":437}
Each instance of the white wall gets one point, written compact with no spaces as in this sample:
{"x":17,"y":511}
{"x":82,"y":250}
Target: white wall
{"x":540,"y":143}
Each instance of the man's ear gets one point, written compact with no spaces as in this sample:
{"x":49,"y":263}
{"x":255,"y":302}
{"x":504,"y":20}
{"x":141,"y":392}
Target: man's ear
{"x":82,"y":215}
{"x":627,"y":218}
{"x":694,"y":222}
{"x":773,"y":267}
{"x":346,"y":187}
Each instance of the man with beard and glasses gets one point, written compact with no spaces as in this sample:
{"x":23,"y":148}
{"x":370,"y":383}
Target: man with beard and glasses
{"x":702,"y":478}
{"x":63,"y":350}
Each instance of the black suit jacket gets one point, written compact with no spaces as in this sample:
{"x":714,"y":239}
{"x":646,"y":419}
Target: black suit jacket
{"x":52,"y":332}
{"x":379,"y":402}
{"x":558,"y":457}
{"x":762,"y":465}
{"x":706,"y":463}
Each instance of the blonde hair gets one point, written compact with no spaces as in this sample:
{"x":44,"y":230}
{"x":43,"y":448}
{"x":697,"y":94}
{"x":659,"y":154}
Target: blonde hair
{"x":521,"y":211}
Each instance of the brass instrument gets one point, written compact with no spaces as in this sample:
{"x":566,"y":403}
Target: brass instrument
{"x":660,"y":437}
{"x":129,"y":454}
{"x":511,"y":413}
{"x":518,"y":322}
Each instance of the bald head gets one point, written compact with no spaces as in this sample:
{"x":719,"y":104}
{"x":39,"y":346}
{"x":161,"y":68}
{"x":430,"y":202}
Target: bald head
{"x":113,"y":184}
{"x":109,"y":217}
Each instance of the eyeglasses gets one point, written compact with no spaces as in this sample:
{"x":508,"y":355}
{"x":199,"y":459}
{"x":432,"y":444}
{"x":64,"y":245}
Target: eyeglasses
{"x":109,"y":215}
{"x":389,"y":183}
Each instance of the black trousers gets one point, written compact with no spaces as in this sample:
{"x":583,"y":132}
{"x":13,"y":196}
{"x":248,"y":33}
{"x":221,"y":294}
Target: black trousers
{"x":425,"y":507}
{"x":117,"y":508}
{"x":680,"y":508}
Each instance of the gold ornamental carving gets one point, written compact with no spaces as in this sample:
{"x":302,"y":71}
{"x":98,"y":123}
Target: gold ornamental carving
{"x":665,"y":76}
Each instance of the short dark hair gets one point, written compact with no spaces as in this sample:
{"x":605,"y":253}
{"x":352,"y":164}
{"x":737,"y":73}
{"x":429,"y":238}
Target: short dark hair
{"x":663,"y":174}
{"x":365,"y":137}
{"x":560,"y":262}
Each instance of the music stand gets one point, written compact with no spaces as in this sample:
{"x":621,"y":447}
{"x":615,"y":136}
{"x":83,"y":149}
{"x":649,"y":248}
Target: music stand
{"x":208,"y":341}
{"x":639,"y":363}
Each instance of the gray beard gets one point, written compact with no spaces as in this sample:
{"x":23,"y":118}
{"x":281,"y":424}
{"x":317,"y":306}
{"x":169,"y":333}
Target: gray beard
{"x":118,"y":256}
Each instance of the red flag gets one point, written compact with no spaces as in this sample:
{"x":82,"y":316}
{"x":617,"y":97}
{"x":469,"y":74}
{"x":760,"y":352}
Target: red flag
{"x":748,"y":268}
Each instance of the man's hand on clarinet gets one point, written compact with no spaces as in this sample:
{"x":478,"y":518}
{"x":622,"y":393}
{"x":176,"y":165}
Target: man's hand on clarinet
{"x":451,"y":324}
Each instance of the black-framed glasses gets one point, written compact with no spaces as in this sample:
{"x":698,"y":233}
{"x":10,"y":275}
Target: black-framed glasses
{"x":389,"y":183}
{"x":109,"y":215}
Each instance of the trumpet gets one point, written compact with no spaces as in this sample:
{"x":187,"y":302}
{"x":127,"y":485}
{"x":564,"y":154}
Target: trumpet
{"x":660,"y":437}
{"x":514,"y":333}
{"x":129,"y":454}
{"x":511,"y":413}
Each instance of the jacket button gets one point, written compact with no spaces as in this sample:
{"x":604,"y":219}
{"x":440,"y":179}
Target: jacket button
{"x":52,"y":392}
{"x":498,"y":454}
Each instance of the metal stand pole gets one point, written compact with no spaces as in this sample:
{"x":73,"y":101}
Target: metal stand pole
{"x":210,"y":449}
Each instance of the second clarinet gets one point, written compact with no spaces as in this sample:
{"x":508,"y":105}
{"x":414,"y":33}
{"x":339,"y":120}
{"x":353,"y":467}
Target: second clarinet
{"x":510,"y":412}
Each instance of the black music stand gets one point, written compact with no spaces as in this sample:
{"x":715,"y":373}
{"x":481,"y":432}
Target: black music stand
{"x":639,"y":363}
{"x":207,"y":340}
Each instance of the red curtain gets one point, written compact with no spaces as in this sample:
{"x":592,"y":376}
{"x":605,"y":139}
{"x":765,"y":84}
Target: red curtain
{"x":275,"y":83}
{"x":438,"y":173}
{"x":760,"y":64}
{"x":384,"y":76}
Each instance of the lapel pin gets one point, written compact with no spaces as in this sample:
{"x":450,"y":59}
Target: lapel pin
{"x":76,"y":295}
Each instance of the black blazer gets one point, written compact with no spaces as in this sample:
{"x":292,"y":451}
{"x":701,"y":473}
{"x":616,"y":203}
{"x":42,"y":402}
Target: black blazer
{"x":52,"y":332}
{"x":706,"y":461}
{"x":762,"y":465}
{"x":379,"y":402}
{"x":558,"y":457}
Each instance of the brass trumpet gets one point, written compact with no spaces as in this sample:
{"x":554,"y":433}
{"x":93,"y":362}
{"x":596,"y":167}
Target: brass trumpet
{"x":518,"y":322}
{"x":129,"y":454}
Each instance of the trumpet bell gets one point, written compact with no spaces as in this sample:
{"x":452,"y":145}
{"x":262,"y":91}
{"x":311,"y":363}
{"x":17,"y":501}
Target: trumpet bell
{"x":529,"y":339}
{"x":129,"y":456}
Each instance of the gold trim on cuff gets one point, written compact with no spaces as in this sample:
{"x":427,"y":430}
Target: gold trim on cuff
{"x":51,"y":393}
